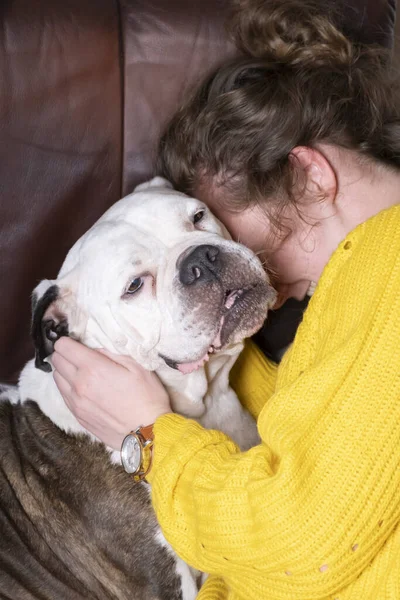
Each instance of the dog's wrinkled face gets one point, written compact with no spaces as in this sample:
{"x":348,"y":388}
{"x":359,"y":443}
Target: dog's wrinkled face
{"x":156,"y":278}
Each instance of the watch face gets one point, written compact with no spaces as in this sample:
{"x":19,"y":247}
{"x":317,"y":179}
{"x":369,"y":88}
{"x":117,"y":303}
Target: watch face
{"x":131,"y":454}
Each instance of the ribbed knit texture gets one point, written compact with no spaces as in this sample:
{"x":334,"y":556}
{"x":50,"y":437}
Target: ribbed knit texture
{"x":314,"y":511}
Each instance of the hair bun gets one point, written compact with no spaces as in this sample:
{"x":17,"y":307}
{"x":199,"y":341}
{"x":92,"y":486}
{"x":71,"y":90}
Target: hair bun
{"x":292,"y":32}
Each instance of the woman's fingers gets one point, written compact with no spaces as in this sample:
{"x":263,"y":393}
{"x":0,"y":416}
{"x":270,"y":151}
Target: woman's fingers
{"x":63,"y":386}
{"x":74,"y":352}
{"x":64,"y":367}
{"x":79,"y":356}
{"x":125,"y":361}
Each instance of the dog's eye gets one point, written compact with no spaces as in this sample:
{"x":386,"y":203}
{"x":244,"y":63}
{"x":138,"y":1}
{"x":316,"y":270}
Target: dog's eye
{"x":135,"y":285}
{"x":198,"y":216}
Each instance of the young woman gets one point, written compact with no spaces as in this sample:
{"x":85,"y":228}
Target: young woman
{"x":296,"y":148}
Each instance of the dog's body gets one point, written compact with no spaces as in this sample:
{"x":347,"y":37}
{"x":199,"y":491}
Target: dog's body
{"x":73,"y":524}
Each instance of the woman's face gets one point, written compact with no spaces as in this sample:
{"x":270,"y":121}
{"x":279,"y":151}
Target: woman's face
{"x":297,"y":256}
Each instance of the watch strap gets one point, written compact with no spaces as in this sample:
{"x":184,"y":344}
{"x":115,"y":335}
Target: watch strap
{"x":146,"y":432}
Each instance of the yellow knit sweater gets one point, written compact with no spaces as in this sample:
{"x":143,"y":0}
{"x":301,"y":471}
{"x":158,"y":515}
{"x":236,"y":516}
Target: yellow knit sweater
{"x":313,"y":512}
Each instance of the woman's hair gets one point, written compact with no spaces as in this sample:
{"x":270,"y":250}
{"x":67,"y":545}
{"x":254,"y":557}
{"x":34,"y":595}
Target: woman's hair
{"x":301,"y":82}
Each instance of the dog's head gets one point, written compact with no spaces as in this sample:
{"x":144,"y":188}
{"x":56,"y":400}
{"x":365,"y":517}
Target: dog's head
{"x":156,"y":278}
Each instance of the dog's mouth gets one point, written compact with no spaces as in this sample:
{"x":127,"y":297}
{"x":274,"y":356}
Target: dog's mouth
{"x":231,"y":301}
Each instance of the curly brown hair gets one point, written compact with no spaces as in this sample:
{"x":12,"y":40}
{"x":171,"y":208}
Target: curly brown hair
{"x":301,"y":83}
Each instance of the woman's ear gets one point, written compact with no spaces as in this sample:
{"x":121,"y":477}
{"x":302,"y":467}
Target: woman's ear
{"x":319,"y":177}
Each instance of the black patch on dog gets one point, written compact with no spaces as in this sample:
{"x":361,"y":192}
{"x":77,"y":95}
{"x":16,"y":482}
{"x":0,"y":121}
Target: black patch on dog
{"x":45,"y":332}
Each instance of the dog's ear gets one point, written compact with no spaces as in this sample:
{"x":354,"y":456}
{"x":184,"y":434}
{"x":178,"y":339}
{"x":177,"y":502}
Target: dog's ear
{"x":49,"y":322}
{"x":156,"y":182}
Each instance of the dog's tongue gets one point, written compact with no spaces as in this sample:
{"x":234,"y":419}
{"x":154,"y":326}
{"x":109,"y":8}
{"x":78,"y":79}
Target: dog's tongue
{"x":189,"y":367}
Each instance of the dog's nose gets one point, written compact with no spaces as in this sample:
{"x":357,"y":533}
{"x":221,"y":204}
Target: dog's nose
{"x":200,"y":265}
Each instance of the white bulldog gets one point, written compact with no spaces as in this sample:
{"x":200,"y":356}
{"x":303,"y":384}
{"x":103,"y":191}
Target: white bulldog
{"x":156,"y":278}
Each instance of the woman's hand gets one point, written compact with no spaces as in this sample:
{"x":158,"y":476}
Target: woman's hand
{"x":109,"y":395}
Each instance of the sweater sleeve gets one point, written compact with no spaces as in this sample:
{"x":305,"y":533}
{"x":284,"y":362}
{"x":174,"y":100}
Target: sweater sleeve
{"x":214,"y":588}
{"x":253,"y":378}
{"x":302,"y":514}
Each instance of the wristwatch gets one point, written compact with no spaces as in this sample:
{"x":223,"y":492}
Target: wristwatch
{"x":137,"y":452}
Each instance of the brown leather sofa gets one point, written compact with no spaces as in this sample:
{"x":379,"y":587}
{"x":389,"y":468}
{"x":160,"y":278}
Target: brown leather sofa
{"x":86,"y":86}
